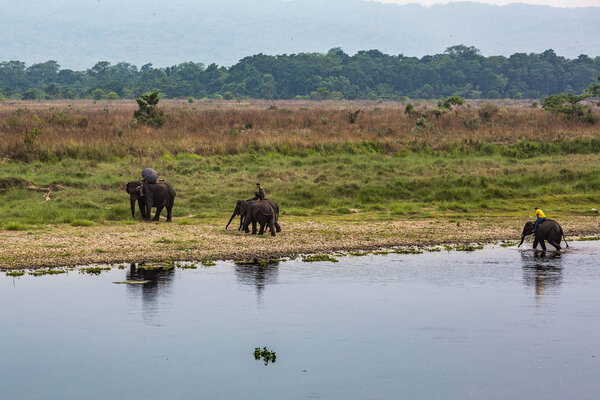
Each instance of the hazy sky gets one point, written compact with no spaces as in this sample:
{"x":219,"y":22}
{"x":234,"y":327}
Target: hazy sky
{"x":554,"y":3}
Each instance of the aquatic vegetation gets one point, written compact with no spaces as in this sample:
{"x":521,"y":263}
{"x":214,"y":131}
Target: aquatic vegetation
{"x":263,"y":262}
{"x":49,"y":271}
{"x":468,"y":247}
{"x":93,"y":270}
{"x":15,"y":274}
{"x":121,"y":266}
{"x":153,"y":267}
{"x":182,"y":265}
{"x":131,"y":282}
{"x":359,"y":253}
{"x":508,"y":244}
{"x":207,"y":262}
{"x":409,"y":250}
{"x":432,"y":249}
{"x":381,"y":252}
{"x":266,"y":355}
{"x":319,"y":257}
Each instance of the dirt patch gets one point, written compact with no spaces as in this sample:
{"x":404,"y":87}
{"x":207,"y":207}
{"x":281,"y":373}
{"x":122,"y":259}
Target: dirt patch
{"x":155,"y":242}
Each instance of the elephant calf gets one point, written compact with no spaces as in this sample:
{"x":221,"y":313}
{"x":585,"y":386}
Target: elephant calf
{"x":259,"y":212}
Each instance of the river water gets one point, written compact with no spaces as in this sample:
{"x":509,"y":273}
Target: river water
{"x":499,"y":323}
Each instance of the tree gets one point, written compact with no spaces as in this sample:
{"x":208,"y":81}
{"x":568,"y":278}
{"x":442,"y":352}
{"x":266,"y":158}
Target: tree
{"x":147,"y":112}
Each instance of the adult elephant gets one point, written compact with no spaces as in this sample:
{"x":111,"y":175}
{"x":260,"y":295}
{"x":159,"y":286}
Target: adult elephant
{"x":548,"y":230}
{"x":259,"y":212}
{"x":240,"y":209}
{"x":148,"y":195}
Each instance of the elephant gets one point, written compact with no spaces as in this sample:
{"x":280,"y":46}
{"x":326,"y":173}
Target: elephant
{"x":148,"y":195}
{"x":134,"y":196}
{"x":240,"y":209}
{"x":548,"y":230}
{"x":259,"y":212}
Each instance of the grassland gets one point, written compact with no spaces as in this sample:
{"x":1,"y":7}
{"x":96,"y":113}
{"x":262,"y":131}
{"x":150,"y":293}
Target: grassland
{"x":324,"y":171}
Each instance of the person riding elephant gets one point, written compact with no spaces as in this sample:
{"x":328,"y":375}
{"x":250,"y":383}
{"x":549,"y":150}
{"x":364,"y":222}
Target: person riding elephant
{"x":259,"y":212}
{"x":260,"y":194}
{"x":540,"y":217}
{"x":547,"y":230}
{"x":240,"y":209}
{"x":148,"y":195}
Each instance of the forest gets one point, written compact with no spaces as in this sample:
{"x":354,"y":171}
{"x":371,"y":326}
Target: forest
{"x":459,"y":71}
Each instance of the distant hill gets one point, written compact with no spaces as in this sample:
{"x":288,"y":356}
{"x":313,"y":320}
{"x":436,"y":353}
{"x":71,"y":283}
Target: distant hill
{"x":78,"y":33}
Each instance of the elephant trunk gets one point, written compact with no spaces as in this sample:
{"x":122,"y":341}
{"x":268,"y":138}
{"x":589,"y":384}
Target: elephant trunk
{"x":522,"y":239}
{"x":231,"y":219}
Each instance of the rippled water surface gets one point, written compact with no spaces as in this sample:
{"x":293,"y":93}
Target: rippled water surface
{"x":499,"y":323}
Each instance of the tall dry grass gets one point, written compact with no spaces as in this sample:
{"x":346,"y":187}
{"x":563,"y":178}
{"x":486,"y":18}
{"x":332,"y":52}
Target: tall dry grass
{"x":85,"y":129}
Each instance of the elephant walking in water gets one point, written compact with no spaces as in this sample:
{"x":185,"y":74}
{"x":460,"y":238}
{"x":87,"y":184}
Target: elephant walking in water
{"x":548,"y":230}
{"x":240,"y":209}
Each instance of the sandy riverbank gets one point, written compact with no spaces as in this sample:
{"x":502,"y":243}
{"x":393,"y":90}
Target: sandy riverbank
{"x":69,"y":246}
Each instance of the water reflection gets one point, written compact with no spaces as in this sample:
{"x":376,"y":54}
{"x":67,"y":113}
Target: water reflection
{"x":150,"y":292}
{"x":542,"y":270}
{"x":257,"y":275}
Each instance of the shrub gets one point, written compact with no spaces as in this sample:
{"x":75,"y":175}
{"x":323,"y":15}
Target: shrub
{"x":487,"y":111}
{"x":147,"y":112}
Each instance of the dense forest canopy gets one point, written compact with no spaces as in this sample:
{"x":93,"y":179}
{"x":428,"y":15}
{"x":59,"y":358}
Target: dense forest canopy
{"x":371,"y":74}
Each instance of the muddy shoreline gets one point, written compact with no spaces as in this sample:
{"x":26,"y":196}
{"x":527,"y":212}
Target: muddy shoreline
{"x":67,"y":246}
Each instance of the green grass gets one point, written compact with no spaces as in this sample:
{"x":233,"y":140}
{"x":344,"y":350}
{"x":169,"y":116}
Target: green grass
{"x":455,"y":183}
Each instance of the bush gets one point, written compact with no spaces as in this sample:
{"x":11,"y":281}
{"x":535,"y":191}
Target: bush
{"x":147,"y":112}
{"x":487,"y":111}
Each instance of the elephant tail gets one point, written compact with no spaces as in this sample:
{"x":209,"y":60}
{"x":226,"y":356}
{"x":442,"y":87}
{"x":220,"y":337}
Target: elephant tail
{"x":563,"y":236}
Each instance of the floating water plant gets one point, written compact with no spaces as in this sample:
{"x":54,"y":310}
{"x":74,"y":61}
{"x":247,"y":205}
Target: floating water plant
{"x":508,"y":244}
{"x":319,"y":257}
{"x":151,"y":267}
{"x":266,"y":355}
{"x":359,"y":253}
{"x":207,"y":262}
{"x":468,"y":247}
{"x":93,"y":270}
{"x":409,"y":250}
{"x":15,"y":274}
{"x":51,"y":271}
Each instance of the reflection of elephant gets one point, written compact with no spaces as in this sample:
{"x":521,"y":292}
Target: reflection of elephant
{"x":240,"y":209}
{"x":159,"y":195}
{"x":548,"y":230}
{"x":259,"y":212}
{"x":134,"y":196}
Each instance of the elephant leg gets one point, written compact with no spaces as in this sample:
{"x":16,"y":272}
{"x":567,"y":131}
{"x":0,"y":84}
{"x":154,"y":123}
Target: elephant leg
{"x":148,"y":211}
{"x":254,"y":227}
{"x":542,"y":242}
{"x":556,"y":245}
{"x":535,"y":243}
{"x":262,"y":228}
{"x":277,"y":227}
{"x":157,"y":215}
{"x":245,"y":227}
{"x":169,"y":211}
{"x":271,"y":227}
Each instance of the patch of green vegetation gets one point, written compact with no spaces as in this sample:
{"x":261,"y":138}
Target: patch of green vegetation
{"x":468,"y":247}
{"x":588,"y":238}
{"x":264,"y":354}
{"x":49,"y":271}
{"x":15,"y":226}
{"x":319,"y":257}
{"x":207,"y":262}
{"x":359,"y":253}
{"x":432,"y":249}
{"x":409,"y":250}
{"x":93,"y":270}
{"x":154,"y":267}
{"x":508,"y":244}
{"x":381,"y":252}
{"x":100,"y":251}
{"x":15,"y":274}
{"x":82,"y":222}
{"x":121,"y":266}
